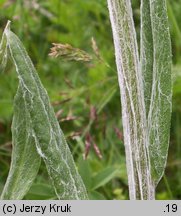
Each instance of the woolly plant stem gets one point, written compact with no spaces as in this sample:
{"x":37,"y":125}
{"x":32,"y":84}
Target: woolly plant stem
{"x":145,"y":87}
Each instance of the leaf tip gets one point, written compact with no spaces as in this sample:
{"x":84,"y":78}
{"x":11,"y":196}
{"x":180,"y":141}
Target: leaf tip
{"x":7,"y":28}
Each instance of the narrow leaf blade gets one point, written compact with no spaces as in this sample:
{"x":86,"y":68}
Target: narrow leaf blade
{"x":103,"y":177}
{"x":49,"y":138}
{"x":159,"y":116}
{"x":25,"y":160}
{"x":24,"y":167}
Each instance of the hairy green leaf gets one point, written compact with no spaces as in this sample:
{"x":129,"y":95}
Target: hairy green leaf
{"x":23,"y":169}
{"x":25,"y":160}
{"x":43,"y":125}
{"x":160,"y":105}
{"x":156,"y":69}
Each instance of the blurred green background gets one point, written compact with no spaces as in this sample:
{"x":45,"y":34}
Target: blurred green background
{"x":85,"y":96}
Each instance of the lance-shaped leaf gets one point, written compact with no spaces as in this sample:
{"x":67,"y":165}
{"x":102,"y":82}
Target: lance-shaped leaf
{"x":45,"y":131}
{"x":25,"y":160}
{"x":132,"y":98}
{"x":23,"y":169}
{"x":156,"y":66}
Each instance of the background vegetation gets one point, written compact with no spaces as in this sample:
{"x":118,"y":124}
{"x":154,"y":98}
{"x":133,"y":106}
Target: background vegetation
{"x":85,"y":96}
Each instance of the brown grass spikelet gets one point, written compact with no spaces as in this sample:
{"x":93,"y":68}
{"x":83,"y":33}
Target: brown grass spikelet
{"x":67,"y":52}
